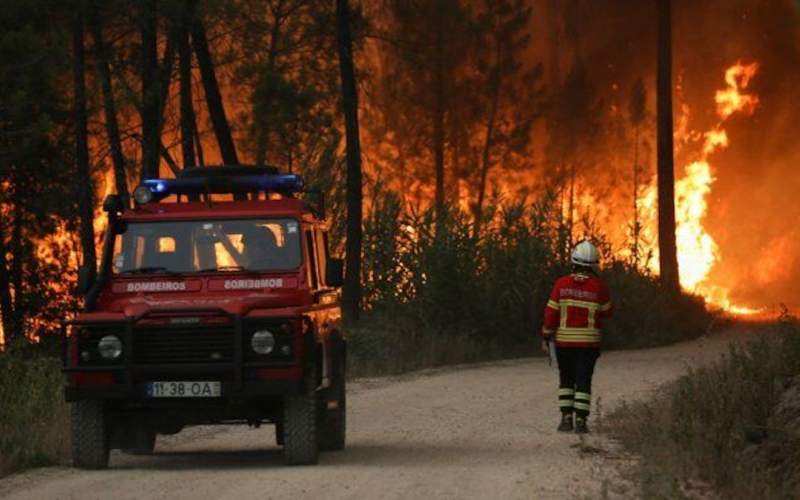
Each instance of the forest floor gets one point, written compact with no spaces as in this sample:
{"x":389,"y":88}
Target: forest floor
{"x":477,"y":431}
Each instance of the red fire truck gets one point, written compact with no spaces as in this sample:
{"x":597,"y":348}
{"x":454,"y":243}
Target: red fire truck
{"x":216,"y":302}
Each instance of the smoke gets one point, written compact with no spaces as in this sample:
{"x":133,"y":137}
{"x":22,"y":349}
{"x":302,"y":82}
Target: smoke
{"x":752,"y":209}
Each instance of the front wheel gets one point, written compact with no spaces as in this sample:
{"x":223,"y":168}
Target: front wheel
{"x":300,"y":439}
{"x":90,"y":436}
{"x":334,"y":411}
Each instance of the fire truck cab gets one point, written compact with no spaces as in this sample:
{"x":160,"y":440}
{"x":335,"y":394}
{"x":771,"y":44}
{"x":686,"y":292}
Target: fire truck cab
{"x":220,"y":307}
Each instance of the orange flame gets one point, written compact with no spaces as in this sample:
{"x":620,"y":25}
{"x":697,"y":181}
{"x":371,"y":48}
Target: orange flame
{"x":697,"y":250}
{"x":730,"y":100}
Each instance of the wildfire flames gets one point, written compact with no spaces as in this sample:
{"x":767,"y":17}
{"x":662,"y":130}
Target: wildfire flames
{"x":697,"y":250}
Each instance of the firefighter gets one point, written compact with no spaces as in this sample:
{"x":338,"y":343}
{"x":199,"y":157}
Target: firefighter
{"x":573,"y":317}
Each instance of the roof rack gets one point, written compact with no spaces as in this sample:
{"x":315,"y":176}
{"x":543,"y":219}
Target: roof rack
{"x":239,"y":180}
{"x":220,"y":180}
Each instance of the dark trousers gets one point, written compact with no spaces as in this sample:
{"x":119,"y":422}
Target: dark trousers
{"x":575,"y":369}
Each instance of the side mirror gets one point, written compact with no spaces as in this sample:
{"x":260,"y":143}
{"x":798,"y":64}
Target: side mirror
{"x":334,"y":273}
{"x":85,"y":278}
{"x":113,"y":204}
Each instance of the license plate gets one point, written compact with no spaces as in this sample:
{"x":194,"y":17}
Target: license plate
{"x":184,"y":389}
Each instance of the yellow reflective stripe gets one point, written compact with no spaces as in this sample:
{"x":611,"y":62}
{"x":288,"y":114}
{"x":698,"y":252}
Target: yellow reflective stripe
{"x":566,"y":392}
{"x":583,"y":395}
{"x":581,"y":303}
{"x":578,"y":331}
{"x":606,"y":306}
{"x":591,"y":308}
{"x":552,"y":304}
{"x":565,"y":403}
{"x":576,"y":335}
{"x":561,"y":336}
{"x":563,"y":310}
{"x":577,"y":340}
{"x":581,"y":406}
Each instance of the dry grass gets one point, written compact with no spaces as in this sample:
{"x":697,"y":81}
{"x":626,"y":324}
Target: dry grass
{"x":716,"y":427}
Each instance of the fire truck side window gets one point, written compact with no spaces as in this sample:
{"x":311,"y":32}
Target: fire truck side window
{"x":312,"y":261}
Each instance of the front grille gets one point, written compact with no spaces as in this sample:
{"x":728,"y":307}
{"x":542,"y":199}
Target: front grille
{"x":159,"y":345}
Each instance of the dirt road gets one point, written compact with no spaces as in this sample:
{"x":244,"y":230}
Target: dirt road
{"x":484,"y":431}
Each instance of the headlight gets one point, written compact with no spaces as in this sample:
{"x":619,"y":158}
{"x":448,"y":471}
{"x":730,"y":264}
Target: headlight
{"x":263,"y":342}
{"x":142,"y":195}
{"x":110,"y":347}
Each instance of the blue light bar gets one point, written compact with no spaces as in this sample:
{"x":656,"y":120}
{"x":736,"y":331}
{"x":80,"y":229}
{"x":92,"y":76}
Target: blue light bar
{"x":283,"y":184}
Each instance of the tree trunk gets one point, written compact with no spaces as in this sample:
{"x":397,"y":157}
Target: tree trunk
{"x":165,"y":76}
{"x":188,"y":122}
{"x":668,"y":256}
{"x":216,"y":109}
{"x":84,"y":178}
{"x":438,"y":129}
{"x":200,"y":156}
{"x":150,"y":90}
{"x":494,"y":85}
{"x":352,"y":285}
{"x":109,"y":105}
{"x":636,"y":223}
{"x":262,"y":123}
{"x":17,"y":250}
{"x":6,"y":305}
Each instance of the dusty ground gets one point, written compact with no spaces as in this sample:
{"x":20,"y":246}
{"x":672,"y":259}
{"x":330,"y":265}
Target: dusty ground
{"x":485,"y":431}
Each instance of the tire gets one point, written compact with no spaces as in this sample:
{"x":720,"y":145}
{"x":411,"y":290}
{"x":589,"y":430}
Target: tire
{"x":334,"y":420}
{"x":144,"y":442}
{"x":279,"y":433}
{"x":90,"y":436}
{"x":300,"y":439}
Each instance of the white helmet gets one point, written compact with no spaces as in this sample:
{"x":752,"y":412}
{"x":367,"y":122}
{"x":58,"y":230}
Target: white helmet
{"x":585,"y":254}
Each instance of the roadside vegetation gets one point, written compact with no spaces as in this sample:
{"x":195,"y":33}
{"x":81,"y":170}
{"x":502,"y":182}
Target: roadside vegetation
{"x":436,"y":298}
{"x":731,"y":427}
{"x":34,"y":419}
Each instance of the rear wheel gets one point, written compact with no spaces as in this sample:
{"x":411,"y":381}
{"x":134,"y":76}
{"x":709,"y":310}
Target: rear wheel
{"x":90,"y":436}
{"x":334,"y":411}
{"x":300,"y":439}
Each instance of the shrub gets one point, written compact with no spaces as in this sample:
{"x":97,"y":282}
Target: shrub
{"x":718,"y":424}
{"x":430,"y":283}
{"x":34,"y":419}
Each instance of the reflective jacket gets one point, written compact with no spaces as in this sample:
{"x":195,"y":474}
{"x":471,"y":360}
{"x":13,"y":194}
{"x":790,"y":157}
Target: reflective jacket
{"x":575,"y":311}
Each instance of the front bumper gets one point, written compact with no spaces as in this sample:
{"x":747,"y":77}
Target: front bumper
{"x":241,"y":378}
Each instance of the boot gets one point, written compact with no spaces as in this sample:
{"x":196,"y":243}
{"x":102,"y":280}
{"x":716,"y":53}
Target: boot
{"x":566,"y":423}
{"x":580,"y":425}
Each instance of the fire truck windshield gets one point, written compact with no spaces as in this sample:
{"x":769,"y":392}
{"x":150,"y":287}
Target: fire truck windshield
{"x":208,"y":246}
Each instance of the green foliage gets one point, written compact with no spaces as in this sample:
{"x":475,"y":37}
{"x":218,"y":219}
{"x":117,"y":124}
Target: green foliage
{"x":34,"y":419}
{"x":719,"y":424}
{"x":36,"y":152}
{"x":427,"y":287}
